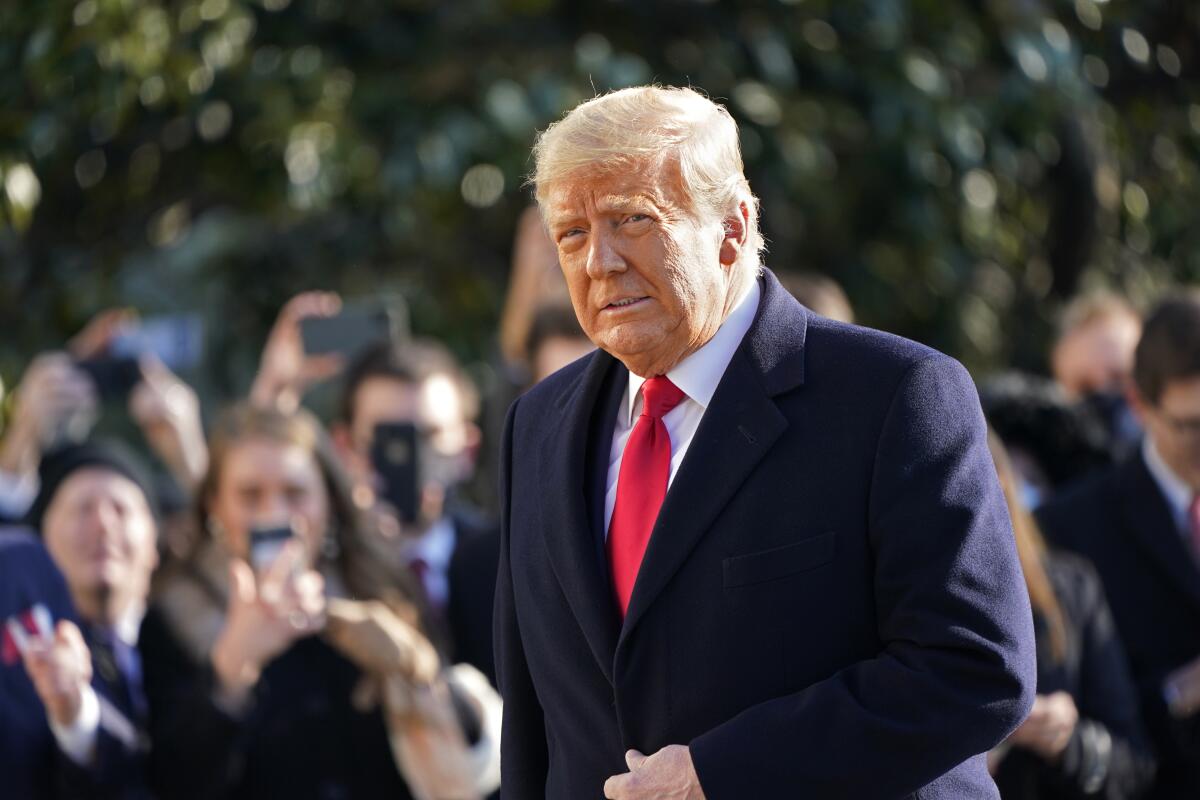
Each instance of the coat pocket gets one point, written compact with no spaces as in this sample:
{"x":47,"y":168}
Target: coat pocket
{"x":779,"y":562}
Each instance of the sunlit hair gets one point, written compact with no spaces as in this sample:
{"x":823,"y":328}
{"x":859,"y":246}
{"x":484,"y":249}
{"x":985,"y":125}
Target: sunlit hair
{"x":1087,"y":309}
{"x":1031,"y":550}
{"x":647,"y":126}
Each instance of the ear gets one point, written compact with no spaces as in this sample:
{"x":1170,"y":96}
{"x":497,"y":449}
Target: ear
{"x":736,"y":232}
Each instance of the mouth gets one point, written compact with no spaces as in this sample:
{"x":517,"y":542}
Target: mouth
{"x":625,"y":303}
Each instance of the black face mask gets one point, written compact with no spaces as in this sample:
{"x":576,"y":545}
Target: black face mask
{"x":1113,"y":411}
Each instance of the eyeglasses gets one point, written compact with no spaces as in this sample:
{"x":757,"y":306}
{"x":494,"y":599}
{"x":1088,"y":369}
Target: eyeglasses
{"x":1184,"y":426}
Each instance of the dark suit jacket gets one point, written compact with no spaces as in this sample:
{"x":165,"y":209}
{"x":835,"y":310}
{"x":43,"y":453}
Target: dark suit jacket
{"x":29,"y":758}
{"x":830,"y":604}
{"x":1120,"y":521}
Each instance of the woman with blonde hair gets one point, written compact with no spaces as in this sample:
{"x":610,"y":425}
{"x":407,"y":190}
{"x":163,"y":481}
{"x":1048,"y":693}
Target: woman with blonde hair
{"x":1084,"y":736}
{"x":293,"y":658}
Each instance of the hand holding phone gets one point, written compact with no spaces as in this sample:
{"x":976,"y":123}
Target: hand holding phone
{"x":56,"y":659}
{"x":266,"y":613}
{"x":285,"y":370}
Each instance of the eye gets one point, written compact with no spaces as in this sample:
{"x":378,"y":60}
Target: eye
{"x":637,"y":218}
{"x":569,"y":232}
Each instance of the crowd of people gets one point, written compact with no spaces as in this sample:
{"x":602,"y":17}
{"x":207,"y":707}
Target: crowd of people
{"x":250,"y":602}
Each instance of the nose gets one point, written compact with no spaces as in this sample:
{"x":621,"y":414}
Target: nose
{"x":274,"y":509}
{"x":604,"y":257}
{"x":106,"y":521}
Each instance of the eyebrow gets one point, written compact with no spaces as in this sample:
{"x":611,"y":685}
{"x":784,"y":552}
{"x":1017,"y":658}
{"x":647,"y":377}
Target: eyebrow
{"x":610,"y":203}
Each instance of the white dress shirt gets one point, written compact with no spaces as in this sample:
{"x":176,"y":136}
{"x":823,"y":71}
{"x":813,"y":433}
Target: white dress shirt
{"x":435,"y":547}
{"x":1177,"y":493}
{"x":697,"y":377}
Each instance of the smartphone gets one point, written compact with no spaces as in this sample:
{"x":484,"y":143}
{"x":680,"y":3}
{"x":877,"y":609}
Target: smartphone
{"x":177,"y":340}
{"x":266,"y":544}
{"x":395,"y":455}
{"x":114,"y":377}
{"x":347,"y":334}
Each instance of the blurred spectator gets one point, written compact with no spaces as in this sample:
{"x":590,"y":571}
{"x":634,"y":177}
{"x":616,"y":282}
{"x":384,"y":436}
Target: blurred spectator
{"x":1084,"y":737}
{"x":1050,"y":440}
{"x":535,"y":281}
{"x":820,"y":293}
{"x":96,"y":514}
{"x":449,"y":547}
{"x":1092,"y":358}
{"x":1139,"y":523}
{"x":260,"y":705}
{"x":555,"y":340}
{"x":1093,"y":351}
{"x":32,"y":765}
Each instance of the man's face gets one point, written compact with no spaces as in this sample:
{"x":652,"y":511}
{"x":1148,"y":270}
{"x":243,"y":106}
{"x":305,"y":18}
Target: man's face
{"x":1097,"y":357}
{"x":650,"y":278}
{"x":435,"y":407}
{"x":1173,"y":424}
{"x":101,"y":534}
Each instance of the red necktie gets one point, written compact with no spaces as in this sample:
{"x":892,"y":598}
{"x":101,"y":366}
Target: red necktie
{"x":641,"y":486}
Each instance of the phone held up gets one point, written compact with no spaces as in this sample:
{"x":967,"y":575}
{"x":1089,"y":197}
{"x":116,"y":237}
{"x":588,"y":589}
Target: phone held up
{"x":265,"y":545}
{"x":395,"y":456}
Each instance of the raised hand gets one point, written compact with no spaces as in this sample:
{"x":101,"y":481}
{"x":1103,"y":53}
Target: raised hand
{"x":59,"y":666}
{"x":265,"y":616}
{"x":285,"y":370}
{"x":54,"y":400}
{"x":168,"y":412}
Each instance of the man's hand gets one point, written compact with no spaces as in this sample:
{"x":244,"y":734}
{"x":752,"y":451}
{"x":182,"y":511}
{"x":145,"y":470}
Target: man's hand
{"x":1049,"y":726}
{"x":1183,"y":690}
{"x":60,"y":669}
{"x":665,"y":775}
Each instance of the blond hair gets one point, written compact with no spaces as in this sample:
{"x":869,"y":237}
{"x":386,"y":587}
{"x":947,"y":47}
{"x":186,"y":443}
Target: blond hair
{"x":631,"y":128}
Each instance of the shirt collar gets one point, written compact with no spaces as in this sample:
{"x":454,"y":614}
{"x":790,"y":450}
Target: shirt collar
{"x":1178,"y":493}
{"x":129,"y":624}
{"x":697,"y":375}
{"x":435,"y":545}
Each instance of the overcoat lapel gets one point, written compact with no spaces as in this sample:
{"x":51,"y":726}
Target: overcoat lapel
{"x":738,"y":429}
{"x":568,"y":533}
{"x":1148,"y":520}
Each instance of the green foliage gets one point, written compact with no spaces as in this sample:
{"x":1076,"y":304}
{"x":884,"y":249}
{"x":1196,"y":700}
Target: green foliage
{"x":959,"y":166}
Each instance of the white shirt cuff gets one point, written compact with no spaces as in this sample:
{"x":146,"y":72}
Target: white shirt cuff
{"x":78,"y":740}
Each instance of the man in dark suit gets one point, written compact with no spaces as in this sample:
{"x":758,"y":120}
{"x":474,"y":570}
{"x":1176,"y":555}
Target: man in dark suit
{"x":452,"y":549}
{"x":747,"y":552}
{"x":95,"y":513}
{"x":1139,"y":523}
